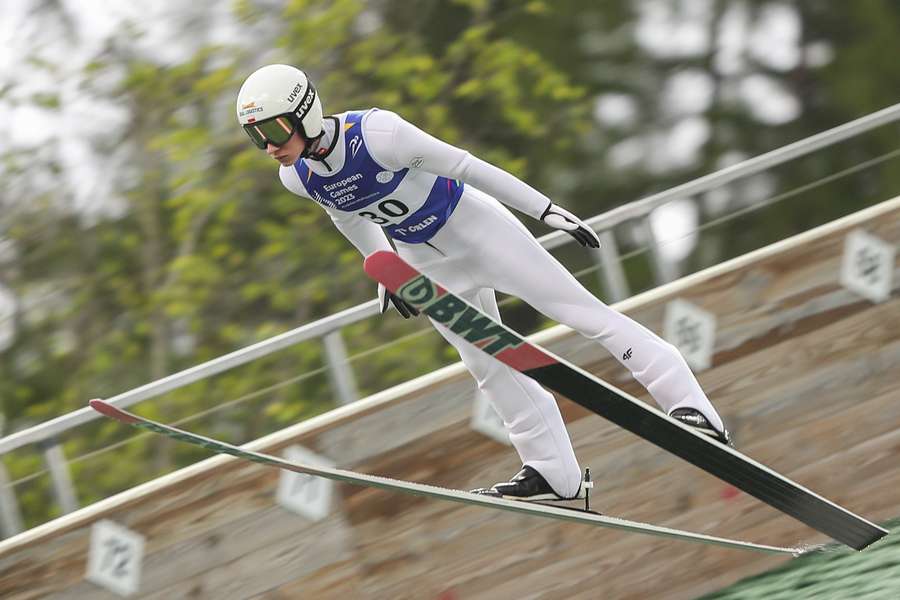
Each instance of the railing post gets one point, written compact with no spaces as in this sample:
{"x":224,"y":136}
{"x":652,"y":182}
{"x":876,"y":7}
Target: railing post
{"x":612,"y":275}
{"x":59,"y":474}
{"x":10,"y":517}
{"x":339,"y":371}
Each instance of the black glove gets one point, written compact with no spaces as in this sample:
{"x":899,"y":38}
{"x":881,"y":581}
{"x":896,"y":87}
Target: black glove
{"x":559,"y":218}
{"x":403,"y":307}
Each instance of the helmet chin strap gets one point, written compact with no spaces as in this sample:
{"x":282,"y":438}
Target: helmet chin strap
{"x":317,"y":148}
{"x":315,"y":151}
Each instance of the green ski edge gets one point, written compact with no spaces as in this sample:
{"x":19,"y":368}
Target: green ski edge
{"x":420,"y":489}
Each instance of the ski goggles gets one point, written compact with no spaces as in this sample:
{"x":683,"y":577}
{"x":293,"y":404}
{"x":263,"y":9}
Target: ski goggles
{"x":276,"y":131}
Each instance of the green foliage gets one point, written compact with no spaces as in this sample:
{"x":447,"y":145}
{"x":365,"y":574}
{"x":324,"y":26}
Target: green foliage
{"x":833,"y":573}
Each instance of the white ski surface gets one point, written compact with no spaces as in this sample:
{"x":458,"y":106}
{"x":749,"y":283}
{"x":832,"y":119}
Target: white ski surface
{"x":421,"y":489}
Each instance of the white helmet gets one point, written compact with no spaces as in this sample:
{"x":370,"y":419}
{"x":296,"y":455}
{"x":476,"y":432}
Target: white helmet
{"x":279,"y":90}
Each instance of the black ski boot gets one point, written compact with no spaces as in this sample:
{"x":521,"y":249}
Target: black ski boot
{"x":527,"y":484}
{"x":694,"y":419}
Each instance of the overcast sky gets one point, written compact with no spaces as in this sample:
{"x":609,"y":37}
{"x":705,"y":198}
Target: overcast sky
{"x":65,"y":43}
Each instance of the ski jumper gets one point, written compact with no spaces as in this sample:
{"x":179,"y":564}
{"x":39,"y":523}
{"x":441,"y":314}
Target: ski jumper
{"x":382,"y":177}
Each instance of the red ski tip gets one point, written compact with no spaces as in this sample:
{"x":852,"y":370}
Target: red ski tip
{"x":389,"y":269}
{"x":108,"y":410}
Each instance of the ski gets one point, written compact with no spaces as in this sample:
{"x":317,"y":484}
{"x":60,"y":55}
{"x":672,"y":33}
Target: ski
{"x":421,"y":489}
{"x":617,"y":406}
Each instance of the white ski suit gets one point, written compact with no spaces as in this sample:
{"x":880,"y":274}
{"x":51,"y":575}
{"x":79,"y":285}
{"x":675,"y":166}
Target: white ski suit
{"x":382,"y":175}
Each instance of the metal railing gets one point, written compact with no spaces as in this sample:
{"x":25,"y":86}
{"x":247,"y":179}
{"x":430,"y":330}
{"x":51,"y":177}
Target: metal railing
{"x":329,"y":328}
